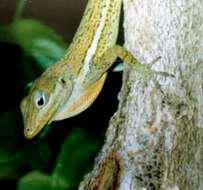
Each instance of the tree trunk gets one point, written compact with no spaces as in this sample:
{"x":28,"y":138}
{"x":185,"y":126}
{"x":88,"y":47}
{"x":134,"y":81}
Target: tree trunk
{"x":155,"y":139}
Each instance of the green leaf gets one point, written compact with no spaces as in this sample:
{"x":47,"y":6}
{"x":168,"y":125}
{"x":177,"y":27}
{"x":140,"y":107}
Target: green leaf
{"x":8,"y":149}
{"x":9,"y":154}
{"x":8,"y":124}
{"x":9,"y":168}
{"x":41,"y":46}
{"x":76,"y":158}
{"x":35,"y":180}
{"x":45,"y":131}
{"x":37,"y":155}
{"x":19,"y":9}
{"x":38,"y":41}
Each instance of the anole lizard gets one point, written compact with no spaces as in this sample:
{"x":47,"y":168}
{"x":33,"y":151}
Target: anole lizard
{"x":71,"y":85}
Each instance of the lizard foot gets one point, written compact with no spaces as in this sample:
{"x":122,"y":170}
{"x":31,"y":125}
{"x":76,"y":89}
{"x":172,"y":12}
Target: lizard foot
{"x":147,"y":73}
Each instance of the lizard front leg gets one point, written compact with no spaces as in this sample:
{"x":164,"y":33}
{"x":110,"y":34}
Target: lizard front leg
{"x":100,"y":65}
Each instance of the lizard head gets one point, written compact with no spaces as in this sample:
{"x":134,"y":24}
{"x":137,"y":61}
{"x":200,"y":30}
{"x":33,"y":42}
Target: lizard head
{"x":42,"y":102}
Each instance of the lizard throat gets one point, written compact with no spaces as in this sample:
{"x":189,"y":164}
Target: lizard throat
{"x":79,"y":101}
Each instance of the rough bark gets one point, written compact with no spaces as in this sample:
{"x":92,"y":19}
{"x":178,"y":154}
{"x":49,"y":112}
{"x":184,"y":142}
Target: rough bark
{"x":155,"y":139}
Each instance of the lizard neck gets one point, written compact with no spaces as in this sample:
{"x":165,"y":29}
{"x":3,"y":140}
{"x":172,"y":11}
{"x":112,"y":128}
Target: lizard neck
{"x":96,"y":33}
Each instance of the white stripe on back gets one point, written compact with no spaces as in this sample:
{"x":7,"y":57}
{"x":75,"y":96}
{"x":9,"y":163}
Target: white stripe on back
{"x":92,"y":49}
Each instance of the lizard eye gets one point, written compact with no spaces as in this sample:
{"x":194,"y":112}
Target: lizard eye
{"x":62,"y":80}
{"x":40,"y":99}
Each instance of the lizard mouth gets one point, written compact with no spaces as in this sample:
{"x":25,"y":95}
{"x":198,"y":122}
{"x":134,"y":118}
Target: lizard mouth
{"x":31,"y":132}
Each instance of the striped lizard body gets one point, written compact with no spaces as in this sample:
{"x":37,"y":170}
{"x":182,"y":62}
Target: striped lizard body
{"x":71,"y":85}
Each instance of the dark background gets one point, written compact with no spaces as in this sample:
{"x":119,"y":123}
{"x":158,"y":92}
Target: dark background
{"x":62,"y":15}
